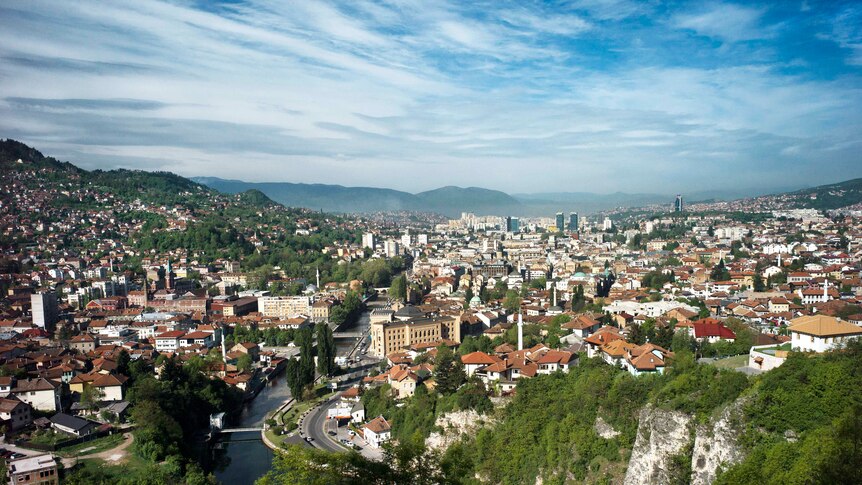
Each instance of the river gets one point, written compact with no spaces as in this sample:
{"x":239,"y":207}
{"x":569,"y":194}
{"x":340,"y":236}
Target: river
{"x":244,"y":455}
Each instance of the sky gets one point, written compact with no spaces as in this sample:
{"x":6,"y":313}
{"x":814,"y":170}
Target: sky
{"x":568,"y":96}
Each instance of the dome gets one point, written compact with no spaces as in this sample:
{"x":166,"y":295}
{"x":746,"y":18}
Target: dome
{"x":580,"y":274}
{"x":475,"y":299}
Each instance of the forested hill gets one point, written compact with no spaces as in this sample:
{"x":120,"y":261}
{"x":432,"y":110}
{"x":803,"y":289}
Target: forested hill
{"x":827,"y":197}
{"x":800,"y":423}
{"x":136,"y":211}
{"x":162,"y":188}
{"x":14,"y":153}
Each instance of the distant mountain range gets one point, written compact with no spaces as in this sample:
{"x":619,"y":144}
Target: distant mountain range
{"x":450,"y":200}
{"x":166,"y":187}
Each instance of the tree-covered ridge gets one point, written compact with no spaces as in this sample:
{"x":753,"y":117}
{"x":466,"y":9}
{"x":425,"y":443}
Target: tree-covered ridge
{"x":801,"y":424}
{"x":833,"y":196}
{"x":11,"y":151}
{"x":164,"y":214}
{"x":161,"y":188}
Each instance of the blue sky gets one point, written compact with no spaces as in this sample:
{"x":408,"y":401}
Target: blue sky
{"x":589,"y":95}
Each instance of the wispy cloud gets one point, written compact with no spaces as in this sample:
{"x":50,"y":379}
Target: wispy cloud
{"x":726,"y":22}
{"x":598,"y":95}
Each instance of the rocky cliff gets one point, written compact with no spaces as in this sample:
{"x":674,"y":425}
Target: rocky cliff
{"x":664,"y":446}
{"x":453,"y":426}
{"x":716,"y":445}
{"x":661,"y":435}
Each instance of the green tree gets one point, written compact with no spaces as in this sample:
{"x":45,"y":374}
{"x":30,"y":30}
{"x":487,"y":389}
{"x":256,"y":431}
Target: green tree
{"x":244,"y":363}
{"x":512,"y":302}
{"x":468,"y":295}
{"x":156,"y":434}
{"x":448,"y":371}
{"x":294,"y":379}
{"x":325,"y":350}
{"x":720,"y":272}
{"x":758,"y":283}
{"x":398,"y":290}
{"x":306,"y":356}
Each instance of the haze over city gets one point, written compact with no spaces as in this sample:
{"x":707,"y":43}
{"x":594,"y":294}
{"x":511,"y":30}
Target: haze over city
{"x":597,"y":96}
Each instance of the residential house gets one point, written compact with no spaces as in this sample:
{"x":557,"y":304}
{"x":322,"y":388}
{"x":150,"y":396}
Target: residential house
{"x":403,"y":382}
{"x":556,"y":360}
{"x":112,"y":386}
{"x":204,"y":339}
{"x":15,"y":414}
{"x":249,"y":348}
{"x":476,"y":360}
{"x":582,"y":325}
{"x":32,"y":470}
{"x":84,"y":343}
{"x":615,"y":352}
{"x":169,"y":341}
{"x":820,"y":333}
{"x":72,"y":425}
{"x":646,"y":359}
{"x":40,"y":393}
{"x":712,"y":330}
{"x":596,"y":341}
{"x":377,"y":431}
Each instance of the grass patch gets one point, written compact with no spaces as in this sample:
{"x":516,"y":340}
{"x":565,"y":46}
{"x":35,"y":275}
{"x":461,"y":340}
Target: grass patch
{"x":134,"y":469}
{"x":785,"y":346}
{"x":732,"y":362}
{"x":96,"y":446}
{"x":49,"y":437}
{"x":290,"y":417}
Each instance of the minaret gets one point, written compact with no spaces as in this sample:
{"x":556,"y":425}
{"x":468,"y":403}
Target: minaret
{"x":170,"y":276}
{"x":520,"y":332}
{"x":825,"y":290}
{"x":779,"y":260}
{"x":223,"y":348}
{"x":555,"y":295}
{"x":318,"y":278}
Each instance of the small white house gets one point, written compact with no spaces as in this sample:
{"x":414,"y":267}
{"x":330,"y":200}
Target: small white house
{"x":377,"y":431}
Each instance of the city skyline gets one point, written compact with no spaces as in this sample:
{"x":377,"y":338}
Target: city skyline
{"x":586,"y":96}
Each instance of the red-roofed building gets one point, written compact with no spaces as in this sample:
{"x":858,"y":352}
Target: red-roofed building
{"x":712,"y":331}
{"x":476,"y":360}
{"x":557,"y":360}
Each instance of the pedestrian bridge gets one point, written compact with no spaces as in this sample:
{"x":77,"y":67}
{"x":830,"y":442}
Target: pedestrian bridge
{"x":238,"y":430}
{"x":347,"y":334}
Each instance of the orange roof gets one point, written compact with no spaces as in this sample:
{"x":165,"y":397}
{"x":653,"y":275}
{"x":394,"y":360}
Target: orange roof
{"x":617,"y":348}
{"x":823,"y":326}
{"x":478,"y":358}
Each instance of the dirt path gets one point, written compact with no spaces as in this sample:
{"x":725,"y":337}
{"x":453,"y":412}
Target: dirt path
{"x":115,"y":455}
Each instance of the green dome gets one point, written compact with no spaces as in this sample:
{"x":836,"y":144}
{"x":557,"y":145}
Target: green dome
{"x":580,"y":274}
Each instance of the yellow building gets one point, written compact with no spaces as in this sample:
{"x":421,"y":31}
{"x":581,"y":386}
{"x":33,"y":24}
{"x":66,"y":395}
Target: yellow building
{"x":392,"y":336}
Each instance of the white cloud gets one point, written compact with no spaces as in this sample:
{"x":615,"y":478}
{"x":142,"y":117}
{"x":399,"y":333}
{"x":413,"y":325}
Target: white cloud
{"x":350,"y":93}
{"x":726,"y":22}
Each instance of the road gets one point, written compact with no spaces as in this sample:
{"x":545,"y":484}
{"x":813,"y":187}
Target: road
{"x":313,"y":423}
